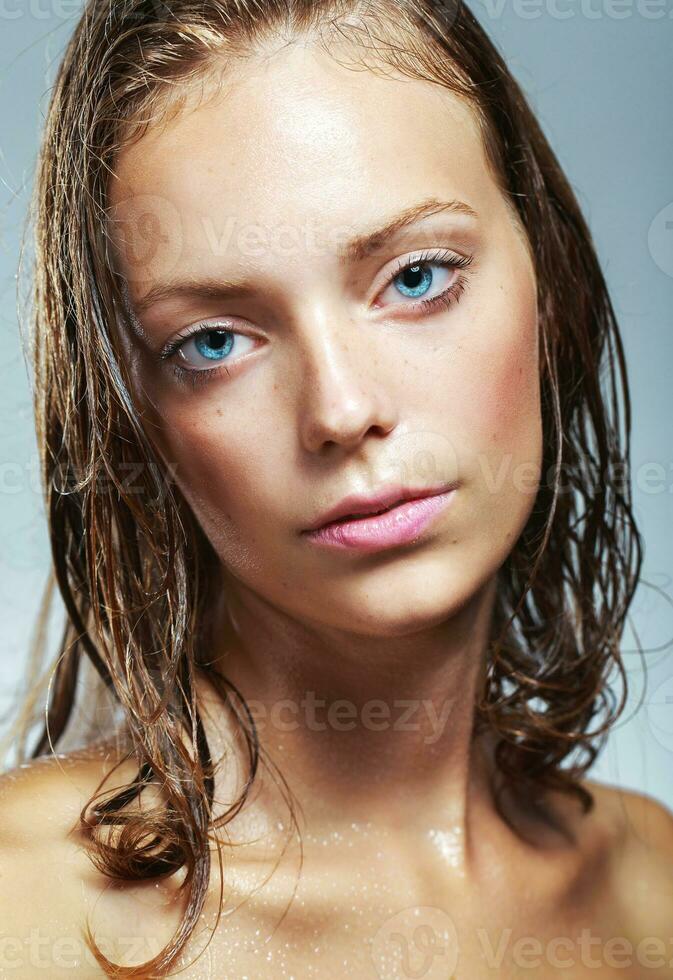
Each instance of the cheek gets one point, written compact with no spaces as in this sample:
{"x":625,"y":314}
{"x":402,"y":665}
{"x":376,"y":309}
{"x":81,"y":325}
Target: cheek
{"x":510,"y":409}
{"x":498,"y":413}
{"x":213,"y":468}
{"x":226,"y":477}
{"x":505,"y":358}
{"x":193,"y":437}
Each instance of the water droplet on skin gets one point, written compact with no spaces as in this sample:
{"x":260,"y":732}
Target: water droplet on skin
{"x":450,"y":845}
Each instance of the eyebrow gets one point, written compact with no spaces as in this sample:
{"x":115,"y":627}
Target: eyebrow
{"x":354,"y":251}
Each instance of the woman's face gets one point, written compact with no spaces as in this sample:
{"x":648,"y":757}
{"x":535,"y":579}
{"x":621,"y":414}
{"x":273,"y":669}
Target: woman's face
{"x":327,"y":376}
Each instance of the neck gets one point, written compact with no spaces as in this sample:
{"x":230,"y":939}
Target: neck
{"x":367,"y":731}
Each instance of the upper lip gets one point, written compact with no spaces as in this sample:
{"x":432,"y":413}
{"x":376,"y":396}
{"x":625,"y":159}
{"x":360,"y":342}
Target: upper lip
{"x":357,"y":504}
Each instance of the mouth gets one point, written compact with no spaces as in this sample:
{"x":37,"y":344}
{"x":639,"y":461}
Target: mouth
{"x":402,"y":522}
{"x":358,"y":507}
{"x":371,"y":513}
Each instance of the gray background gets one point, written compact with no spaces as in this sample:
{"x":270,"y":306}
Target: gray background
{"x":598,"y":75}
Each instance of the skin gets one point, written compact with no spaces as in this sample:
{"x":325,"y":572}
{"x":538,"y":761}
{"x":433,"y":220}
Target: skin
{"x":341,"y":386}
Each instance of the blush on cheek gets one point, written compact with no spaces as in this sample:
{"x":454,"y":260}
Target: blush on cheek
{"x":505,"y":400}
{"x":503,"y":421}
{"x":507,"y":354}
{"x":512,"y":401}
{"x":510,"y":367}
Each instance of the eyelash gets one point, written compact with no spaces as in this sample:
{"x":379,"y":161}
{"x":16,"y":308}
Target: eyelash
{"x":451,"y":295}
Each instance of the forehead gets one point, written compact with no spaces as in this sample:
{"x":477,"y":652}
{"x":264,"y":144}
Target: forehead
{"x":299,"y":139}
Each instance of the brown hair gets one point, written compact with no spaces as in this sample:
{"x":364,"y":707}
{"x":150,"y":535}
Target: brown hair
{"x":133,"y":566}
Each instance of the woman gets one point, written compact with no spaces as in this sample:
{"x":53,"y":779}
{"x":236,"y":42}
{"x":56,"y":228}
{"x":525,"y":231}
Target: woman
{"x":298,"y":263}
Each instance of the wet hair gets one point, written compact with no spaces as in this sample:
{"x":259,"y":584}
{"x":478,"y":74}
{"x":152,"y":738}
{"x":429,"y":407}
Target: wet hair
{"x":132,"y":564}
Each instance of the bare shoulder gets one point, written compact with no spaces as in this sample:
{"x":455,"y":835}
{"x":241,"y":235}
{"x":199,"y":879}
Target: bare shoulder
{"x":640,"y":830}
{"x":637,"y":819}
{"x":48,"y":794}
{"x":50,"y":887}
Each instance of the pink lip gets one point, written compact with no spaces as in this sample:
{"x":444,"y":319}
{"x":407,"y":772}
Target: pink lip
{"x":396,"y":526}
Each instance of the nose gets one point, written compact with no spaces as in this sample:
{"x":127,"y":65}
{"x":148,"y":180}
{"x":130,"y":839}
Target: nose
{"x":343,"y":395}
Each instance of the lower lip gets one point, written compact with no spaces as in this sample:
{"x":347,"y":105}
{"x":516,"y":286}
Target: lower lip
{"x":396,"y":526}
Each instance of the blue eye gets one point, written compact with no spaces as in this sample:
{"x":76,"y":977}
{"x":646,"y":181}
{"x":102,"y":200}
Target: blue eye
{"x":414,"y":279}
{"x":212,"y":343}
{"x":416,"y":272}
{"x":215,"y":344}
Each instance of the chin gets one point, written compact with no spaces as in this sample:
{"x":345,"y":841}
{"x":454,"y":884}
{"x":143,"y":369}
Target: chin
{"x":406,"y":600}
